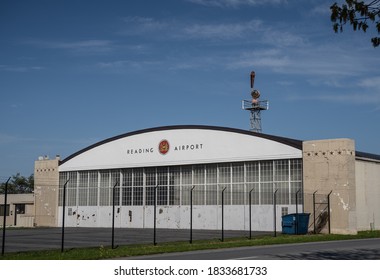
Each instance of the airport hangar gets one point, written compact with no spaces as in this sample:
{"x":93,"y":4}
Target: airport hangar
{"x":193,"y":168}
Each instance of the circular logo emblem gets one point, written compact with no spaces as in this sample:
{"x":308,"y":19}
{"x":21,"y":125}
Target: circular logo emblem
{"x":163,"y":147}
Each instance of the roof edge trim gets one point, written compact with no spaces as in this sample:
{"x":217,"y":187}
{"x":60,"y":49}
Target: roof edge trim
{"x":367,"y":156}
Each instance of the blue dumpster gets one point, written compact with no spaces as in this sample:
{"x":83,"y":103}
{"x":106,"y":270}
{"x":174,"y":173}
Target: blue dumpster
{"x":295,"y":223}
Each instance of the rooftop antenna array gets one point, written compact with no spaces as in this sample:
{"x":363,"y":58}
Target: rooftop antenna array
{"x":255,"y":106}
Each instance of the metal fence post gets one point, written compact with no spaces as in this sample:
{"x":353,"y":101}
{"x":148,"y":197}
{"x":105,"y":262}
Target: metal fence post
{"x":5,"y":215}
{"x":328,"y":211}
{"x":274,"y":212}
{"x":315,"y":229}
{"x":155,"y":214}
{"x":250,"y":214}
{"x":297,"y":210}
{"x":113,"y":215}
{"x":191,"y":214}
{"x":223,"y":214}
{"x":63,"y":215}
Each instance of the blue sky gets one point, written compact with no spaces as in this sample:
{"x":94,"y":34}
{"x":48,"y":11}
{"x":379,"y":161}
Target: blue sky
{"x":73,"y":73}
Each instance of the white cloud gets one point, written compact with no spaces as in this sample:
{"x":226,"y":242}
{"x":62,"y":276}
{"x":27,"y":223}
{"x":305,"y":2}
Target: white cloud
{"x":221,"y":31}
{"x":271,"y":58}
{"x":370,"y":83}
{"x":20,"y":68}
{"x":139,"y":25}
{"x":349,"y":98}
{"x":322,"y":9}
{"x":282,"y":38}
{"x":6,"y":139}
{"x":121,"y":65}
{"x":88,"y":46}
{"x":178,"y":30}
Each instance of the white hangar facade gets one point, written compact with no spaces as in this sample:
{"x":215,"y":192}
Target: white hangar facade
{"x":210,"y":168}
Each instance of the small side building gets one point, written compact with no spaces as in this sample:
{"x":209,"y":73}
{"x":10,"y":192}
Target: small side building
{"x":19,"y":210}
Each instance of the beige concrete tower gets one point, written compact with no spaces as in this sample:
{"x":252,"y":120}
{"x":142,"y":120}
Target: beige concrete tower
{"x":329,"y":166}
{"x":46,"y":186}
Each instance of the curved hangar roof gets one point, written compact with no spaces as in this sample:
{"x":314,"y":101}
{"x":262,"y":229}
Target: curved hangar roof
{"x":179,"y":145}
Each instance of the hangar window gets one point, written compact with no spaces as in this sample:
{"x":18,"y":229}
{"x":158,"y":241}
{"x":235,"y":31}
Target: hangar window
{"x":266,"y":182}
{"x":295,"y":170}
{"x":266,"y":193}
{"x":126,"y":198}
{"x":199,"y":174}
{"x":253,"y":190}
{"x":104,"y":188}
{"x":150,"y":175}
{"x":259,"y":178}
{"x":138,"y":177}
{"x":252,"y":171}
{"x":281,"y":170}
{"x":126,"y":186}
{"x":281,"y":180}
{"x":127,"y":177}
{"x":174,"y":185}
{"x":211,"y":174}
{"x":266,"y":171}
{"x":211,"y":189}
{"x":72,"y":189}
{"x":186,"y":175}
{"x":212,"y":195}
{"x":93,"y":178}
{"x":150,"y":194}
{"x":237,"y":172}
{"x":162,"y":174}
{"x":138,"y":195}
{"x":238,"y":194}
{"x":83,"y":189}
{"x":185,"y":194}
{"x":115,"y":181}
{"x":162,"y":195}
{"x":224,"y":173}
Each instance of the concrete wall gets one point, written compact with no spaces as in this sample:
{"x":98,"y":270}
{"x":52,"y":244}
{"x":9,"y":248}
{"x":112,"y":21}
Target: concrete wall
{"x":46,"y":182}
{"x":236,"y":217}
{"x":368,"y":194}
{"x":329,"y":165}
{"x":22,"y":220}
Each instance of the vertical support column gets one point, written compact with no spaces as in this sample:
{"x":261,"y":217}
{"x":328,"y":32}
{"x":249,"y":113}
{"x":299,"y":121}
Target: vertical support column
{"x":113,"y":215}
{"x":223,"y":214}
{"x":250,"y":214}
{"x":315,"y":227}
{"x":191,"y":214}
{"x":297,"y":210}
{"x":5,"y":215}
{"x":63,"y":215}
{"x":155,"y":215}
{"x":275,"y":213}
{"x":328,"y":211}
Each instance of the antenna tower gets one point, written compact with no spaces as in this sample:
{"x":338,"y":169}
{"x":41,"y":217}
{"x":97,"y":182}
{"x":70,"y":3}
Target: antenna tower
{"x":255,"y":106}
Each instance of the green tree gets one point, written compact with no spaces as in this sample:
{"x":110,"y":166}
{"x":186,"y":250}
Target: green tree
{"x":19,"y":184}
{"x":359,"y":15}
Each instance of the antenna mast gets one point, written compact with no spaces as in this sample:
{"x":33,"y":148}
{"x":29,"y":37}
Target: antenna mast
{"x":255,"y":106}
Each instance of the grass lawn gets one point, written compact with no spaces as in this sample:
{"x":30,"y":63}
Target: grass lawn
{"x":136,"y":250}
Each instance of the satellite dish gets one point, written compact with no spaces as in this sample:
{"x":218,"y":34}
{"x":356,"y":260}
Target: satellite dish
{"x":255,"y":94}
